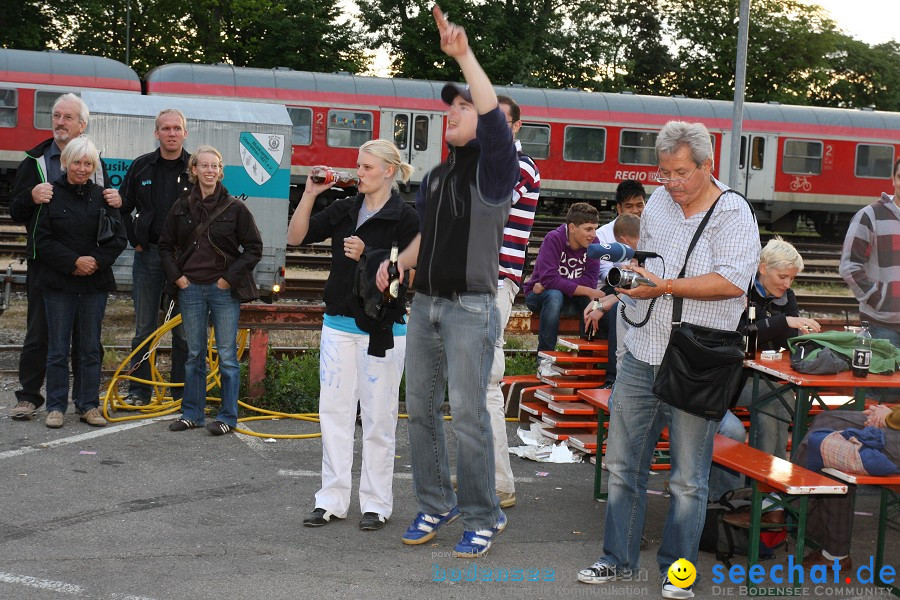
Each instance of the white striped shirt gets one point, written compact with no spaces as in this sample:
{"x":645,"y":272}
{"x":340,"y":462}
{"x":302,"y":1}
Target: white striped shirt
{"x":729,"y":246}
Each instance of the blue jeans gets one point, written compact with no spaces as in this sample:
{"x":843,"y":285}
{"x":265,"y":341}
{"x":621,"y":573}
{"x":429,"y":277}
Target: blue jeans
{"x":551,"y":305}
{"x":148,"y":281}
{"x":201,"y":303}
{"x":721,"y":479}
{"x":887,"y":395}
{"x":450,"y":344}
{"x":636,"y":421}
{"x":63,"y":310}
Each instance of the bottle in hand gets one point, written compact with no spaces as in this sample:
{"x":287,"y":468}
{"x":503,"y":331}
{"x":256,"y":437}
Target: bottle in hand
{"x":750,"y":334}
{"x":392,"y":291}
{"x":589,"y":331}
{"x":332,"y":177}
{"x":862,"y":351}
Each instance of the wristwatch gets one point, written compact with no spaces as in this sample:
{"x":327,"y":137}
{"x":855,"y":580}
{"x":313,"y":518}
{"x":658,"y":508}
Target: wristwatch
{"x":668,"y":293}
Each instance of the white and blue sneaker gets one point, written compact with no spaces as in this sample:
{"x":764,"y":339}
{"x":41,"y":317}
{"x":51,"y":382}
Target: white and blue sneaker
{"x":602,"y":572}
{"x":670,"y":590}
{"x":476,"y":543}
{"x":425,"y":527}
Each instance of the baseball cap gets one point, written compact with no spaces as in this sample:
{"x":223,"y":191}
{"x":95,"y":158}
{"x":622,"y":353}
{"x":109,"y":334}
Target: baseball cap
{"x":452,"y":90}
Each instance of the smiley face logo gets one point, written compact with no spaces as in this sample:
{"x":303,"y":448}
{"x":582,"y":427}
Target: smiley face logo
{"x":682,"y":573}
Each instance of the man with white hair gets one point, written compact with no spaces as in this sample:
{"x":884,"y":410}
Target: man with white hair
{"x":33,"y":188}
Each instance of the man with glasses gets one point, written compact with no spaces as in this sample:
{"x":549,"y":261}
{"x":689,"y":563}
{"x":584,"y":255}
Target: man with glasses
{"x":32,"y":189}
{"x":153,"y":183}
{"x":718,"y":273}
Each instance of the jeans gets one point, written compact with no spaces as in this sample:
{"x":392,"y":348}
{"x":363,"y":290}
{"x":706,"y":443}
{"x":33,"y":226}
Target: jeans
{"x":550,"y":305}
{"x":636,"y":421}
{"x":148,"y":281}
{"x":63,"y":310}
{"x":721,"y":479}
{"x":450,"y":344}
{"x":768,"y":433}
{"x":201,"y":303}
{"x":349,"y":376}
{"x":885,"y":395}
{"x":495,"y":405}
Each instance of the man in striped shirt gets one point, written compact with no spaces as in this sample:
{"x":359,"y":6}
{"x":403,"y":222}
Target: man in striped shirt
{"x":512,"y":261}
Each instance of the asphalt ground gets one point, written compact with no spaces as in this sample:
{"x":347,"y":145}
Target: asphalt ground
{"x":135,"y":512}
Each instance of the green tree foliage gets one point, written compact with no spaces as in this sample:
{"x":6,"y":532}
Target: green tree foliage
{"x":859,"y":75}
{"x":27,"y":25}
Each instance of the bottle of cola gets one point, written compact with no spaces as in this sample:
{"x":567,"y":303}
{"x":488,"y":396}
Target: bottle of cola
{"x":750,"y":334}
{"x":332,"y":177}
{"x":392,"y":291}
{"x":862,"y":352}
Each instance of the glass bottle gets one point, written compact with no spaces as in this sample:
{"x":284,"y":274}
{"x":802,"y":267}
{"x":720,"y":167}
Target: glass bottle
{"x":392,"y":291}
{"x":862,"y":351}
{"x":750,"y":334}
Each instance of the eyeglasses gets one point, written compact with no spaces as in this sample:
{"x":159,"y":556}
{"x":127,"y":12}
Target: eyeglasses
{"x":209,"y":166}
{"x":675,"y":180}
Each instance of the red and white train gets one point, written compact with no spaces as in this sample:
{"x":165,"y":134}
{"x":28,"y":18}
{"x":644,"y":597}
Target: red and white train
{"x":796,"y":161}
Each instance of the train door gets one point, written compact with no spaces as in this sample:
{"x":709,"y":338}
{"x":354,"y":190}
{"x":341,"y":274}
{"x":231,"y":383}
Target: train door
{"x":418,"y":137}
{"x":756,"y":167}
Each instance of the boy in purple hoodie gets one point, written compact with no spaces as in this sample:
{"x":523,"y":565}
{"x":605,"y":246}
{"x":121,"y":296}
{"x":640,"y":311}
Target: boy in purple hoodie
{"x":564,"y":279}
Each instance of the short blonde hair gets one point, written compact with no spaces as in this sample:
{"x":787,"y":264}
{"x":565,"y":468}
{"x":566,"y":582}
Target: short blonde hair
{"x":779,"y":254}
{"x":388,"y":152}
{"x":80,"y":147}
{"x":192,"y":163}
{"x":171,"y":111}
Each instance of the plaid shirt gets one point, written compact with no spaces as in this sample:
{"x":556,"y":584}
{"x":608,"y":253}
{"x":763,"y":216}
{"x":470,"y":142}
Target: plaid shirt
{"x":729,"y":246}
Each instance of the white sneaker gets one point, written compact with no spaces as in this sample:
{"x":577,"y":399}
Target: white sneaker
{"x":545,"y":368}
{"x":672,"y":591}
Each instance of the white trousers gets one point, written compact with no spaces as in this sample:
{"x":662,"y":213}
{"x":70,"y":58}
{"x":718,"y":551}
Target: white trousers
{"x":349,"y":375}
{"x":503,"y":471}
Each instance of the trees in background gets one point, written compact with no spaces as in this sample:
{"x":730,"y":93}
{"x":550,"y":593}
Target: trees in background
{"x":796,"y":54}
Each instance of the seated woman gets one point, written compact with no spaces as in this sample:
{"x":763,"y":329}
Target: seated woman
{"x":208,"y":248}
{"x":357,"y":365}
{"x":77,"y":238}
{"x":830,"y":518}
{"x":777,"y":319}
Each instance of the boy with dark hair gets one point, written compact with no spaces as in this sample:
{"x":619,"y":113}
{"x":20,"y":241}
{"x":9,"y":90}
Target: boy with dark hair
{"x":564,"y":279}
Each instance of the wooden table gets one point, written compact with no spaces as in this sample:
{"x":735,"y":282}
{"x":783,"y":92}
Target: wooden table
{"x":807,"y":389}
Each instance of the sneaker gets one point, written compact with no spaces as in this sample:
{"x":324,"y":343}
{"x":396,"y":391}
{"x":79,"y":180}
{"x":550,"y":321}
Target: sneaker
{"x":93,"y":418}
{"x":545,"y":368}
{"x":54,"y":419}
{"x":474,"y":544}
{"x":218,"y":428}
{"x":424,"y":527}
{"x":135,"y":400}
{"x":371,"y":521}
{"x":602,"y":572}
{"x":182,"y":425}
{"x":607,"y":386}
{"x":318,"y":517}
{"x":670,"y":590}
{"x":22,"y":411}
{"x":507,"y":499}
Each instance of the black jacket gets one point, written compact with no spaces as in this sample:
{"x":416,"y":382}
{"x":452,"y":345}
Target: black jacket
{"x":771,"y":318}
{"x":396,"y":221}
{"x":233,"y":233}
{"x":136,"y":196}
{"x":30,"y":173}
{"x":65,"y":229}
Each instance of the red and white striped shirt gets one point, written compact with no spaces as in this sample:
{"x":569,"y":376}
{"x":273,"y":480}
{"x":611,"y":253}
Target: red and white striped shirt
{"x":521,"y":218}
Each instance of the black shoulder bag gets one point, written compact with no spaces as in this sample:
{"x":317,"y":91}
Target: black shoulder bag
{"x":701,"y":370}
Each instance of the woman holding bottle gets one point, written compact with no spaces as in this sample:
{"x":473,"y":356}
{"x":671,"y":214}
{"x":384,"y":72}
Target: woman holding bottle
{"x":354,"y":364}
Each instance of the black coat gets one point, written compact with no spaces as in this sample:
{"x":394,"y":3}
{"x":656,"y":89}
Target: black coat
{"x":137,"y":197}
{"x":234,"y":233}
{"x":771,"y":319}
{"x":66,"y":229}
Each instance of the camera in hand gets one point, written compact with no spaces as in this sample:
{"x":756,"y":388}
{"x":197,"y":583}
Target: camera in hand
{"x":624,"y":278}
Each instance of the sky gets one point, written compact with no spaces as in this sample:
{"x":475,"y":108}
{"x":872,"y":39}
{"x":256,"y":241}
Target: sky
{"x":872,"y":21}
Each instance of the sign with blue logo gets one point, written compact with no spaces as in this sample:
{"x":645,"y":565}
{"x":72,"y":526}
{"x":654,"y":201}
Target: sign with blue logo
{"x":261,"y":155}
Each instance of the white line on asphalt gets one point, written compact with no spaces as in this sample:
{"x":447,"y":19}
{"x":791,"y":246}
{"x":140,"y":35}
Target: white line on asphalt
{"x":306,"y":473}
{"x":42,"y":584}
{"x":78,"y":438}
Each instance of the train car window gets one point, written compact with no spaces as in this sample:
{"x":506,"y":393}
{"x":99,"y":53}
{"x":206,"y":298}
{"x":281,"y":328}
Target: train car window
{"x":874,"y":160}
{"x":536,"y":140}
{"x":43,"y":108}
{"x":420,"y":133}
{"x":9,"y":108}
{"x":348,"y":128}
{"x":757,"y":153}
{"x":802,"y":157}
{"x":637,"y":147}
{"x":742,"y":157}
{"x":401,"y":131}
{"x":301,"y":118}
{"x":586,"y":144}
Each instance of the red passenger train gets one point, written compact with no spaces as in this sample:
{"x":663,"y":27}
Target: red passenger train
{"x":818,"y":163}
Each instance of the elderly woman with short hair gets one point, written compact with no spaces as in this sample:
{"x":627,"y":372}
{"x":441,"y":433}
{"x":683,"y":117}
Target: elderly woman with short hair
{"x":77,"y":238}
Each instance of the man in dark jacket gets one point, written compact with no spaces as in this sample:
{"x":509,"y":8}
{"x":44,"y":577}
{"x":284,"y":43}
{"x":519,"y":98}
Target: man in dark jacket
{"x":153,"y":183}
{"x":33,"y":188}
